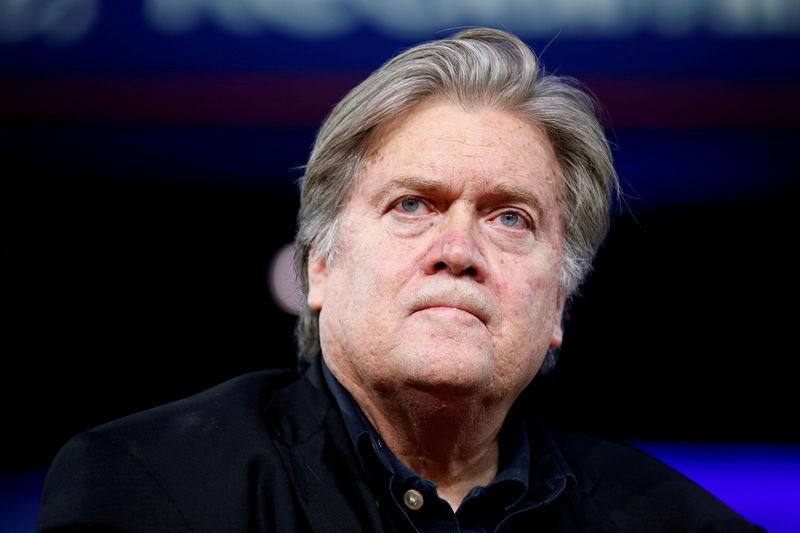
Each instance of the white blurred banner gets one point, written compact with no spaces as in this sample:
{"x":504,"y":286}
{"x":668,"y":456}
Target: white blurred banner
{"x":68,"y":21}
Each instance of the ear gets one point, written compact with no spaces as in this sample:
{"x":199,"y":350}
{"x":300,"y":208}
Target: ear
{"x":317,"y":280}
{"x":558,"y":336}
{"x":558,"y":332}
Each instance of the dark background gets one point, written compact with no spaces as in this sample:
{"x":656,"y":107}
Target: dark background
{"x":149,"y":179}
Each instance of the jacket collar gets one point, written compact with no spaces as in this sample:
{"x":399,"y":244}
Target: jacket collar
{"x":316,"y":451}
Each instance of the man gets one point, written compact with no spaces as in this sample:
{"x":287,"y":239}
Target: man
{"x":452,"y":204}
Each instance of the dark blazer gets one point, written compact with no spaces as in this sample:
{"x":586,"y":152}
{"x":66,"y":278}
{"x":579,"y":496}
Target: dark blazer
{"x":268,"y":451}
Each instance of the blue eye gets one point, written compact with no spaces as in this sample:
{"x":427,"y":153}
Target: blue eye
{"x":409,"y":205}
{"x":509,"y":219}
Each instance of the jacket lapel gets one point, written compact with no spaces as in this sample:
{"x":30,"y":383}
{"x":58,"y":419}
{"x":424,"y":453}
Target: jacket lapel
{"x":318,"y":455}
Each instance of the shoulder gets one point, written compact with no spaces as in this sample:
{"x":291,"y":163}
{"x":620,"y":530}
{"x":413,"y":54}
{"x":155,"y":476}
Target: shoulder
{"x":235,"y":404}
{"x":625,"y":486}
{"x":162,"y":468}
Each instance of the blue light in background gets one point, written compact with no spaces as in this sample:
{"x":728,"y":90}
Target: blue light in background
{"x":20,"y":496}
{"x":760,"y":481}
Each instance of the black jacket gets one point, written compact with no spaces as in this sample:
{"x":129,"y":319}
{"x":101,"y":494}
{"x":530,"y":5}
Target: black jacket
{"x":269,"y":452}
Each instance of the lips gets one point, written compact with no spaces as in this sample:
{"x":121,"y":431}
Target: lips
{"x":469,"y":302}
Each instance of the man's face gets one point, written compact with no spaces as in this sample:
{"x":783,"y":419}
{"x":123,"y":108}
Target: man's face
{"x":446,"y":276}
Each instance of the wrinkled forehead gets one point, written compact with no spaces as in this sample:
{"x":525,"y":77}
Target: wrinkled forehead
{"x":438,"y":137}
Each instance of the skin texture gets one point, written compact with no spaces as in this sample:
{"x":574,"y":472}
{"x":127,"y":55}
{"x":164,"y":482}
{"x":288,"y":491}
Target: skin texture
{"x":442,"y":299}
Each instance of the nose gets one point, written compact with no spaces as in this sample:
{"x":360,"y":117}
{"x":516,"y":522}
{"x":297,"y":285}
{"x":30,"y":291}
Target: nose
{"x":456,"y":249}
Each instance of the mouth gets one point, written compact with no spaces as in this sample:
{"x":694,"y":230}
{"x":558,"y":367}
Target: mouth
{"x":452,"y":313}
{"x":454,"y":305}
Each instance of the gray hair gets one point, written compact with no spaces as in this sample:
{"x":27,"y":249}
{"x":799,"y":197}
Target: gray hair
{"x":478,"y":67}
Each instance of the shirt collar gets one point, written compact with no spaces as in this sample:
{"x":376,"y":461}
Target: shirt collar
{"x":354,"y":419}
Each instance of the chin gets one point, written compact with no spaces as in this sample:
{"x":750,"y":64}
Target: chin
{"x":449,"y":369}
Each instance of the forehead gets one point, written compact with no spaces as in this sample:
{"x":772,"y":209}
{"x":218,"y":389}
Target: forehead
{"x":441,"y":140}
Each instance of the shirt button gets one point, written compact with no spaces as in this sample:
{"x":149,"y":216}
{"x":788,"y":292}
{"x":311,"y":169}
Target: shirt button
{"x":413,"y":499}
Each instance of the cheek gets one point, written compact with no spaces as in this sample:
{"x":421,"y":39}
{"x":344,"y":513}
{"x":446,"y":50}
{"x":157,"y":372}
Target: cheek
{"x":520,"y":284}
{"x":369,"y":272}
{"x":529,"y":295}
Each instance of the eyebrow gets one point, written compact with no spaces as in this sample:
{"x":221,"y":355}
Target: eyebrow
{"x":416,"y":184}
{"x":507,"y":192}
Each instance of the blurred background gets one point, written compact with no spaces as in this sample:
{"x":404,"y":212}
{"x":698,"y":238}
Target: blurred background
{"x":149,"y":152}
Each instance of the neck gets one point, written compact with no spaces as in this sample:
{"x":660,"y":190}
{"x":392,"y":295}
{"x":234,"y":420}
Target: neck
{"x":450,"y":440}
